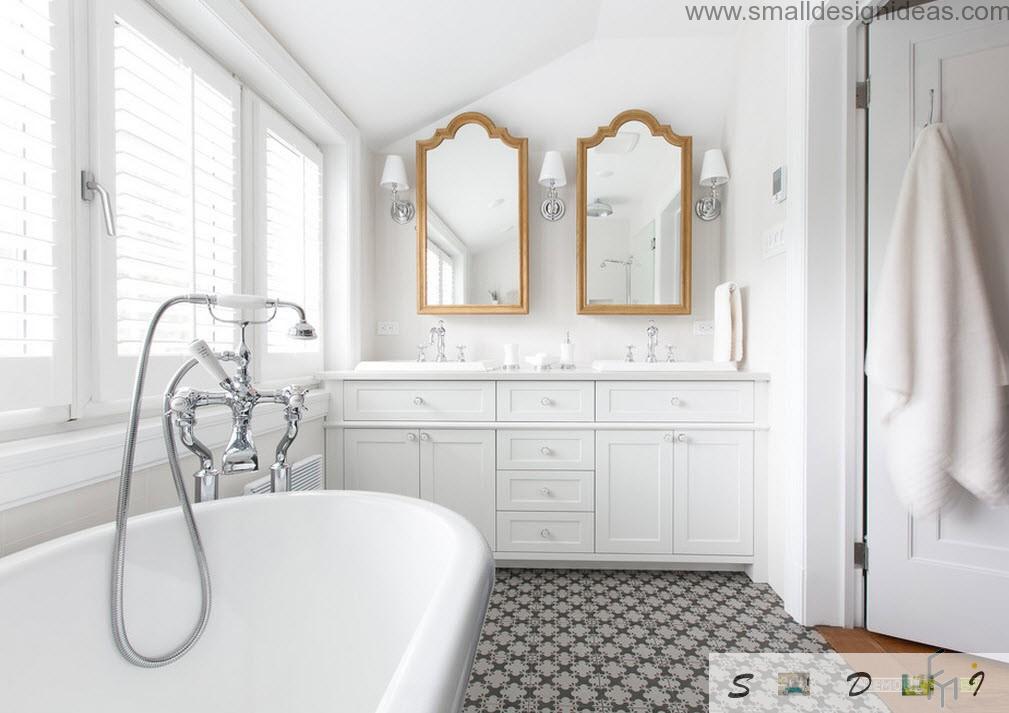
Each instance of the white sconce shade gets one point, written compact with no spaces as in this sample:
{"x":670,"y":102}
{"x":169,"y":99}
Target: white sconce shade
{"x":394,"y":174}
{"x":713,"y":170}
{"x":394,"y":178}
{"x":552,"y":173}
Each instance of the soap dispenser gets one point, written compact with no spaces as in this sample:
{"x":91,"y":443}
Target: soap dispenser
{"x":567,"y":352}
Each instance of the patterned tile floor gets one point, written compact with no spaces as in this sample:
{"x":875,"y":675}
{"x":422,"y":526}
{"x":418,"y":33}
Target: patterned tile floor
{"x":594,"y":641}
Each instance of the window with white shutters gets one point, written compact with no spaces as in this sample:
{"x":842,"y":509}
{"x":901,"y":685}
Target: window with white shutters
{"x":176,"y":145}
{"x":289,"y":230}
{"x":34,"y":236}
{"x":168,"y":120}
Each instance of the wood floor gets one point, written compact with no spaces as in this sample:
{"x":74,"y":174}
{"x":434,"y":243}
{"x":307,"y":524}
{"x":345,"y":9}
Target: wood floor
{"x":860,"y":641}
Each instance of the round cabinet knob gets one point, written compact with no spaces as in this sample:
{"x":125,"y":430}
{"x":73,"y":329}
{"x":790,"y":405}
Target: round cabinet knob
{"x":411,"y":437}
{"x":545,"y":451}
{"x":681,"y":437}
{"x":544,"y":491}
{"x":675,"y":401}
{"x":545,"y":401}
{"x":545,"y":533}
{"x":425,"y":437}
{"x":668,"y":437}
{"x":418,"y":401}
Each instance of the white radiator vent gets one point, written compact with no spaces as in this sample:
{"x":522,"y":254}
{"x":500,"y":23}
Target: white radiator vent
{"x":306,"y":474}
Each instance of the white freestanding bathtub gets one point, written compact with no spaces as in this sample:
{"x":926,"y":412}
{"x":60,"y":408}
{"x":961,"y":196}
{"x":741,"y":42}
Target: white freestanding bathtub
{"x":331,"y":601}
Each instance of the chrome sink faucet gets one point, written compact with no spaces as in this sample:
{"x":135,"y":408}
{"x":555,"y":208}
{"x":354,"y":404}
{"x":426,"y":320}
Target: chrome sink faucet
{"x":653,"y":341}
{"x":437,"y":337}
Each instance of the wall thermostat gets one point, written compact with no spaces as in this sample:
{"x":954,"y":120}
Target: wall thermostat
{"x":778,"y":189}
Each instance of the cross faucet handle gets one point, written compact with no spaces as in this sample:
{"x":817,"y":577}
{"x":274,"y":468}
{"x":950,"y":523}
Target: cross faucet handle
{"x":670,"y":353}
{"x":422,"y":352}
{"x":461,"y":349}
{"x":630,"y":353}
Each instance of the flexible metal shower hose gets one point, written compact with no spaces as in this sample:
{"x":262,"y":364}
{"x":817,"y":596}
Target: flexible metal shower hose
{"x":126,"y":476}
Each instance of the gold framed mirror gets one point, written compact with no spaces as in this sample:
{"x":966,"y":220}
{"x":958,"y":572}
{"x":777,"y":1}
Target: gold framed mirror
{"x":634,"y":218}
{"x":472,"y":220}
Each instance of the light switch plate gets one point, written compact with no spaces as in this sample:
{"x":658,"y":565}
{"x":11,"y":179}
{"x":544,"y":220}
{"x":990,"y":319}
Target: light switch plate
{"x":387,"y":329}
{"x":703,"y":327}
{"x":773,"y":241}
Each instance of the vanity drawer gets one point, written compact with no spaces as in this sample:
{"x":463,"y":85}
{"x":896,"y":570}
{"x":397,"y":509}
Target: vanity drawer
{"x":545,"y":450}
{"x":545,"y":490}
{"x":695,"y":401}
{"x":545,"y":401}
{"x":418,"y":401}
{"x":545,"y":532}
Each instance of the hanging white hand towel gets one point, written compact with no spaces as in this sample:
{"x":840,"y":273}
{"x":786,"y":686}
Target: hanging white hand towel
{"x":728,"y":323}
{"x":933,"y":349}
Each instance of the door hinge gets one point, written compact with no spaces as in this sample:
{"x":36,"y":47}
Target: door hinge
{"x":862,"y":94}
{"x":860,"y":554}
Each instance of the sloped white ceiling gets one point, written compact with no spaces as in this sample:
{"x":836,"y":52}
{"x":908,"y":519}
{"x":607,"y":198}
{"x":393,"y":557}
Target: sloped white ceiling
{"x":394,"y":65}
{"x":397,"y":65}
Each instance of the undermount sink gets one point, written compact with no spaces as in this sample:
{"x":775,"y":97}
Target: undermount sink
{"x":618,"y":365}
{"x":421,"y":366}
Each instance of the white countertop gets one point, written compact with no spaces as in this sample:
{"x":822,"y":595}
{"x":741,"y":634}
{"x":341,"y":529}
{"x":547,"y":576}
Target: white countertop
{"x":582,"y":373}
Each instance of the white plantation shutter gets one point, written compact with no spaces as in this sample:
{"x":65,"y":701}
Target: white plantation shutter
{"x":170,"y":149}
{"x":34,"y":230}
{"x":440,"y":276}
{"x":291,"y":227}
{"x":176,"y":142}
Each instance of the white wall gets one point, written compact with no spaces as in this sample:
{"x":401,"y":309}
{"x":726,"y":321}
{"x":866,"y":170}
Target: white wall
{"x":754,"y":146}
{"x":553,"y":106}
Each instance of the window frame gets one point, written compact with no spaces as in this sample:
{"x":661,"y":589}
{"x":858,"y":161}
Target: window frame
{"x":338,"y":154}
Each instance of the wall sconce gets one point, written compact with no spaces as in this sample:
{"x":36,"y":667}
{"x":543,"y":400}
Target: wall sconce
{"x":713,"y":174}
{"x":553,"y":177}
{"x":394,"y":178}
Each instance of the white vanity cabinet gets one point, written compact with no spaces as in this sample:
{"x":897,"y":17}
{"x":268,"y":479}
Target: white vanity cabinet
{"x":569,"y":468}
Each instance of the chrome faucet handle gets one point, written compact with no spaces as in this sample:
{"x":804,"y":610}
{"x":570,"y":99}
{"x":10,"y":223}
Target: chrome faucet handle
{"x":630,"y":353}
{"x":670,"y":353}
{"x":421,"y":352}
{"x":461,"y":349}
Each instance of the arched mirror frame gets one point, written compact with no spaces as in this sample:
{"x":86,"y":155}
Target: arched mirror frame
{"x":684,"y":143}
{"x":493,"y":132}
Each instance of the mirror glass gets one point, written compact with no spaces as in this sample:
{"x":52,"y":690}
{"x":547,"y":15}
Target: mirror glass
{"x":634,"y":223}
{"x":472,"y":199}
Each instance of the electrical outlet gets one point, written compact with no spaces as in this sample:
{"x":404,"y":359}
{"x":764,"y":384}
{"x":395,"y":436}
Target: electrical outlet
{"x":387,"y":329}
{"x":703,"y":327}
{"x":773,"y":241}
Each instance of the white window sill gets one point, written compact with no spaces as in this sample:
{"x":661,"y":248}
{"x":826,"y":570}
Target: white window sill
{"x":35,"y":468}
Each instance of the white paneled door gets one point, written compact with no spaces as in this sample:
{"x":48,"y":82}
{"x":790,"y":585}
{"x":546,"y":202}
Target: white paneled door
{"x":634,"y":492}
{"x":385,"y":460}
{"x":457,"y":470}
{"x":713,"y":493}
{"x":942,"y":579}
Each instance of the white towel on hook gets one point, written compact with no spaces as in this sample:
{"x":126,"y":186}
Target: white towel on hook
{"x":728,"y":323}
{"x":933,"y":349}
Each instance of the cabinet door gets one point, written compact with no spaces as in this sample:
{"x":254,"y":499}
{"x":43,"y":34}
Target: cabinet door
{"x":457,"y":471}
{"x":634,"y":492}
{"x":385,"y":460}
{"x":713,"y":493}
